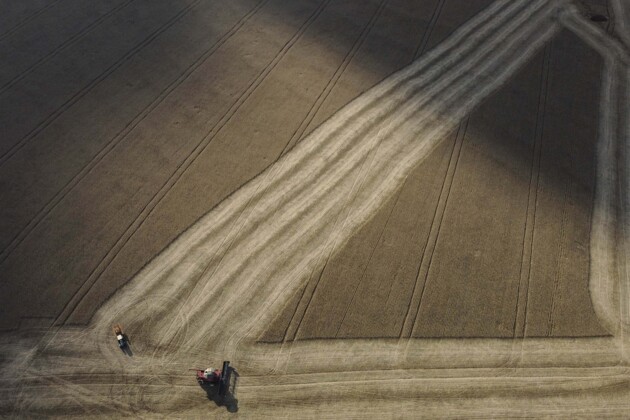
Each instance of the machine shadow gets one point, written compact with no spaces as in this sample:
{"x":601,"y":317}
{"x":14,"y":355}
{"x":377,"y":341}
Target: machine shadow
{"x":224,"y":398}
{"x":127,"y":349}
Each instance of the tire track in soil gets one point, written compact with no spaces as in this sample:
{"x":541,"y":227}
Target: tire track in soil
{"x":586,"y":381}
{"x":604,"y":264}
{"x":87,"y":88}
{"x":305,"y":308}
{"x":520,"y":319}
{"x":367,"y":264}
{"x":520,"y":21}
{"x":24,"y":21}
{"x":419,"y":51}
{"x":84,"y":397}
{"x":422,"y":46}
{"x":298,"y":135}
{"x":309,"y":291}
{"x":438,"y":87}
{"x":122,"y":135}
{"x":413,"y":310}
{"x":412,"y":104}
{"x":67,"y":43}
{"x":561,"y":246}
{"x":148,"y":209}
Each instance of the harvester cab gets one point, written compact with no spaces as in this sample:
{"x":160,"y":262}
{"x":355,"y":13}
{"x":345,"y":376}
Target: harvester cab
{"x":215,"y":377}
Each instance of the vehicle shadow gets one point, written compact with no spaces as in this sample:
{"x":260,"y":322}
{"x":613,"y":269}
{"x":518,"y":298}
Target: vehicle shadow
{"x":127,"y":349}
{"x":228,"y":398}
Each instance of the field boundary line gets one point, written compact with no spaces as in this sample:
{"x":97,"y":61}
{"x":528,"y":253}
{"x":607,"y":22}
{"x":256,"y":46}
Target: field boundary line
{"x":65,"y":44}
{"x":93,"y":83}
{"x":122,"y":134}
{"x":184,"y":165}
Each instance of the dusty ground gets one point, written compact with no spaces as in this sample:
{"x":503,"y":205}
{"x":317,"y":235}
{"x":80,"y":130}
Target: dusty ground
{"x":396,"y":207}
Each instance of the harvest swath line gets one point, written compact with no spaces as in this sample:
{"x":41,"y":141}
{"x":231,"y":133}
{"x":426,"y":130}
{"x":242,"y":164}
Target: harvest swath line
{"x":426,"y":79}
{"x":257,"y":246}
{"x":413,"y":105}
{"x":299,"y":132}
{"x":148,"y":209}
{"x":311,"y":286}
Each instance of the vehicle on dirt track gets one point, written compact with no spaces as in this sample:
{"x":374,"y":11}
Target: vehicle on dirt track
{"x":120,"y":336}
{"x":215,"y":377}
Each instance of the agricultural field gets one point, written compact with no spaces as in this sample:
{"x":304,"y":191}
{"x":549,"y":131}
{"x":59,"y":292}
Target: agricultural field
{"x":381,"y":207}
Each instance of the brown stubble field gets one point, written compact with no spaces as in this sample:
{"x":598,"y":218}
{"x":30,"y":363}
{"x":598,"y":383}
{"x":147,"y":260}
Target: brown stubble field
{"x":531,"y":199}
{"x":461,"y":222}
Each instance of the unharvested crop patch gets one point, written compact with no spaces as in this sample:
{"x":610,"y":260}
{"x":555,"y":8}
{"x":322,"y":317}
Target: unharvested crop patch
{"x":489,"y":236}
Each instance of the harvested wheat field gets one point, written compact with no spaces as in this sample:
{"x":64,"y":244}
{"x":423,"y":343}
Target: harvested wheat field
{"x":392,"y":208}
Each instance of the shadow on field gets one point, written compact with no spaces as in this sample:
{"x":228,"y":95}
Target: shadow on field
{"x":228,"y":400}
{"x":127,"y":349}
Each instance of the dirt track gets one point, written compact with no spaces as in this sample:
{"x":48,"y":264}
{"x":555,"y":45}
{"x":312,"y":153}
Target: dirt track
{"x":289,"y":188}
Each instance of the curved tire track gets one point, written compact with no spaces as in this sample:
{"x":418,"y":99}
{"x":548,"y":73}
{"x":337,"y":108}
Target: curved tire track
{"x":152,"y":204}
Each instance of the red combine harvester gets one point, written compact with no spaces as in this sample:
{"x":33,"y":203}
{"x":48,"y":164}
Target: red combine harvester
{"x":215,"y":377}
